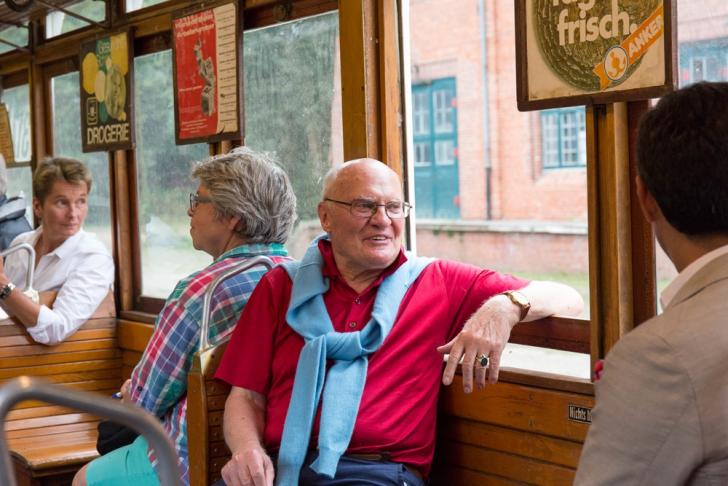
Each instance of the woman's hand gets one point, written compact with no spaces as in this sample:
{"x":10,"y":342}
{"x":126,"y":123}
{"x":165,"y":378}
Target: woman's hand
{"x":125,"y":391}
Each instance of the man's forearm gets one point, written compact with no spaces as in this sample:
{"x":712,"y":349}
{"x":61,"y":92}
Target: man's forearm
{"x":244,"y":420}
{"x":549,"y":298}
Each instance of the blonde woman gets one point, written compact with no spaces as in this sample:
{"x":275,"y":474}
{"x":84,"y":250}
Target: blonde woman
{"x":68,"y":259}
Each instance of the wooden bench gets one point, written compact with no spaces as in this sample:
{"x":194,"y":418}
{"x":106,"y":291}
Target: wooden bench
{"x":514,"y":432}
{"x":50,"y":443}
{"x":509,"y":433}
{"x":205,"y":405}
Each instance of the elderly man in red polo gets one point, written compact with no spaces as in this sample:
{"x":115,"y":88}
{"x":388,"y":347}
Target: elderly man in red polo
{"x":336,"y":361}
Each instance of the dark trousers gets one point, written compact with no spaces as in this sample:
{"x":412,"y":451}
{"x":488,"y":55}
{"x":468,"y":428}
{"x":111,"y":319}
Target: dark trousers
{"x":353,"y":471}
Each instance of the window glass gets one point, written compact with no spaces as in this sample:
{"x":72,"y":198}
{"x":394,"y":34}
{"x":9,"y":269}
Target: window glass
{"x":66,"y":104}
{"x":132,"y":5}
{"x":13,"y":35}
{"x":437,"y":184}
{"x":20,"y":183}
{"x":58,"y":23}
{"x":17,"y":101}
{"x":293,"y":107}
{"x":163,"y":180}
{"x":484,"y":196}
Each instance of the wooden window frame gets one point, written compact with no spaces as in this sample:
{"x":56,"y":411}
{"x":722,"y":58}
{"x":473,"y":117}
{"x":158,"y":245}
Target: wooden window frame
{"x":256,"y":15}
{"x":621,"y":244}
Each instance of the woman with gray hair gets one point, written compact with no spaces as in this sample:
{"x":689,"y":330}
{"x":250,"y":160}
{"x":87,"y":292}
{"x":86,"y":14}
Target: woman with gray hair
{"x":244,"y":206}
{"x":12,"y":212}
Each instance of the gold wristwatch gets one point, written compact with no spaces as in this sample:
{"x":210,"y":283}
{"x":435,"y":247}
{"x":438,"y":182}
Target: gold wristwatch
{"x":520,"y":300}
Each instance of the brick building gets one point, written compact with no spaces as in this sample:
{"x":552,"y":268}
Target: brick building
{"x":494,"y":186}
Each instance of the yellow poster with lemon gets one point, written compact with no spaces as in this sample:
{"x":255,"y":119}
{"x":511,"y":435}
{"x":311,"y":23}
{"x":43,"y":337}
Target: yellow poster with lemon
{"x":106,"y":98}
{"x":574,"y":52}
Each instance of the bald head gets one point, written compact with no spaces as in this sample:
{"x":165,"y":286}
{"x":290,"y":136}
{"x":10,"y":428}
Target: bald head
{"x":357,"y":173}
{"x":365,"y":244}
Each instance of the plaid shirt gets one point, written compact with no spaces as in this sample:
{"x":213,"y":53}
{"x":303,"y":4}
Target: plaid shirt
{"x":159,"y":380}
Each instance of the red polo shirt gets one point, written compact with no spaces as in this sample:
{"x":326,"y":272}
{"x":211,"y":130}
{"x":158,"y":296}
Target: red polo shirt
{"x":399,"y":403}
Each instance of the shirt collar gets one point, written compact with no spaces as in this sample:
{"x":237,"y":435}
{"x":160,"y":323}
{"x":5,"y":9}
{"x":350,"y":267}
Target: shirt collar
{"x":330,"y":269}
{"x":66,"y":248}
{"x":254,"y":249}
{"x":683,"y":277}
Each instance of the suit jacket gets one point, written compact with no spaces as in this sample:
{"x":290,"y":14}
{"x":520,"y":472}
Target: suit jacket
{"x":661,"y":414}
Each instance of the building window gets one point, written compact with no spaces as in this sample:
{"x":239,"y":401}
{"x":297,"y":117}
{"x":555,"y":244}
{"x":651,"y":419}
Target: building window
{"x":422,"y":155}
{"x":444,"y":109}
{"x":421,"y":113}
{"x":434,"y":118}
{"x":563,"y":138}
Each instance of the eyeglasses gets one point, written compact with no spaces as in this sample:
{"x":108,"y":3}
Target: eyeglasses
{"x":196,"y":200}
{"x":365,"y":208}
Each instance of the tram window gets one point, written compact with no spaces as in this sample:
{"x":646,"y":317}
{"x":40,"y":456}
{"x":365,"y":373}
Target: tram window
{"x":163,"y":180}
{"x":701,"y":56}
{"x":66,"y":105}
{"x":58,"y":23}
{"x":13,"y":35}
{"x":17,"y":101}
{"x":20,"y":184}
{"x":293,"y":107}
{"x":132,"y":5}
{"x":495,"y":205}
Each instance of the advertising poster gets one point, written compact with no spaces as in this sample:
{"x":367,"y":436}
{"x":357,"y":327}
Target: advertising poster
{"x":574,"y":52}
{"x":106,"y":94}
{"x":6,"y":136}
{"x":206,"y":73}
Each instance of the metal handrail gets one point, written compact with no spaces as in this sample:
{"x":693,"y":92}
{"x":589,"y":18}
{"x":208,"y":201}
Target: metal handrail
{"x":30,"y":388}
{"x":31,"y":261}
{"x":207,"y":299}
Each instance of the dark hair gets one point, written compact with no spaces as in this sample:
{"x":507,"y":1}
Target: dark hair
{"x":682,"y":152}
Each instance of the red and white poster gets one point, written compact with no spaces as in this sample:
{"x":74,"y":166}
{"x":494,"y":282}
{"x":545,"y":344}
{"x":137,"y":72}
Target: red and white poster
{"x":206,"y":73}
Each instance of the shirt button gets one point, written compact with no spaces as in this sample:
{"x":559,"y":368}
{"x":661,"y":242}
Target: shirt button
{"x":357,"y":301}
{"x":352,"y":324}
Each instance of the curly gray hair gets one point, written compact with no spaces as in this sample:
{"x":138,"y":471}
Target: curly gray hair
{"x":252,"y":186}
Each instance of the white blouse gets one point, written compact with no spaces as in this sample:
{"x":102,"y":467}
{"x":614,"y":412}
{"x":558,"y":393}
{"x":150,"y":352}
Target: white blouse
{"x":81,"y":270}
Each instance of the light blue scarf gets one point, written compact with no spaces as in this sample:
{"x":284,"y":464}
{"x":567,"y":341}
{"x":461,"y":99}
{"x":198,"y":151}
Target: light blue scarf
{"x":307,"y":315}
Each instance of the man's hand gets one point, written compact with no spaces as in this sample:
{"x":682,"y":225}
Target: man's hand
{"x":485,"y":333}
{"x":250,"y":467}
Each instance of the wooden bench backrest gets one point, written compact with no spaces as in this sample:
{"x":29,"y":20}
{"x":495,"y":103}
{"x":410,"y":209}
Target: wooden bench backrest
{"x":205,"y":405}
{"x":88,"y":360}
{"x":507,"y":434}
